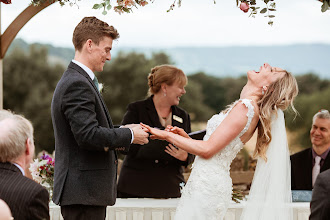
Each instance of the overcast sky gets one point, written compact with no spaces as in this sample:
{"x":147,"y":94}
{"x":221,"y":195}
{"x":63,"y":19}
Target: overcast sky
{"x":197,"y":23}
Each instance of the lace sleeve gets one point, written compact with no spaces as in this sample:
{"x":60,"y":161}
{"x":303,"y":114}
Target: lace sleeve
{"x":249,"y":114}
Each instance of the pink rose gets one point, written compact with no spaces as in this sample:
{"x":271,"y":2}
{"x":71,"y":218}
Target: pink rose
{"x":244,"y":6}
{"x":6,"y":1}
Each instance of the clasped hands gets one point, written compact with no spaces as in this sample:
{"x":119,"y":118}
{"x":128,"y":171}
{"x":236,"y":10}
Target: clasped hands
{"x":164,"y":134}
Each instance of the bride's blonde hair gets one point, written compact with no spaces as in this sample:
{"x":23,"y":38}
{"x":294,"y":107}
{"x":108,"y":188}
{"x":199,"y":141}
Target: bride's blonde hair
{"x":279,"y":95}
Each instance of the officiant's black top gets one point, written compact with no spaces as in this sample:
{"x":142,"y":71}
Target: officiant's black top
{"x":148,"y":171}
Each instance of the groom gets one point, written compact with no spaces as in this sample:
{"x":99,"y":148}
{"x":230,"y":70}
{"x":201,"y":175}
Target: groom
{"x":85,"y":139}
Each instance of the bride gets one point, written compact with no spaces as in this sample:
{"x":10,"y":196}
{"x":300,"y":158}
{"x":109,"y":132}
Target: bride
{"x":208,"y":191}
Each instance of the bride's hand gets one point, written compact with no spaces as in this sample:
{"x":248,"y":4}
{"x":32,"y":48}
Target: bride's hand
{"x":156,"y":133}
{"x":177,"y":130}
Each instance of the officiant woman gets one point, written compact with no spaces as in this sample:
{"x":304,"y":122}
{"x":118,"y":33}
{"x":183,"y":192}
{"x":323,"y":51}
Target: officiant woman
{"x":155,"y":170}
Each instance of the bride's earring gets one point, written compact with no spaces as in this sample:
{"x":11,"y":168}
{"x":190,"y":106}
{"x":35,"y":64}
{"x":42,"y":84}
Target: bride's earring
{"x":263,"y":90}
{"x":164,"y":94}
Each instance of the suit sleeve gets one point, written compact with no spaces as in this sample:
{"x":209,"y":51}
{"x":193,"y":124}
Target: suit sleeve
{"x":38,"y":206}
{"x":131,"y":117}
{"x":320,"y":204}
{"x":79,"y":106}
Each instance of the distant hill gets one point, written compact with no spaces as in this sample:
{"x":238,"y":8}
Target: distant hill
{"x":223,"y":61}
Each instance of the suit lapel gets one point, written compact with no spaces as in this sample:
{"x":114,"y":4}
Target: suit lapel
{"x":152,"y":113}
{"x":309,"y":167}
{"x":326,"y":164}
{"x":82,"y":72}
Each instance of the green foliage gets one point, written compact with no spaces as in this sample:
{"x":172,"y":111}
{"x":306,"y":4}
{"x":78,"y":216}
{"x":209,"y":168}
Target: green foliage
{"x":29,"y":83}
{"x":307,"y":105}
{"x":30,"y":80}
{"x":125,"y":81}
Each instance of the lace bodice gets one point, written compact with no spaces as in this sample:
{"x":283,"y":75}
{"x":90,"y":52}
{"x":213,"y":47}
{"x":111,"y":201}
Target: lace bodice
{"x":208,"y":192}
{"x":224,"y":157}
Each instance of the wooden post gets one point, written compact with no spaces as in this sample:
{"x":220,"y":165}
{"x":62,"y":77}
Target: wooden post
{"x":10,"y":33}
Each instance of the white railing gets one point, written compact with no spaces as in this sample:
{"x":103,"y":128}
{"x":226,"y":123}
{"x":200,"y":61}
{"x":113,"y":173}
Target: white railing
{"x":164,"y":209}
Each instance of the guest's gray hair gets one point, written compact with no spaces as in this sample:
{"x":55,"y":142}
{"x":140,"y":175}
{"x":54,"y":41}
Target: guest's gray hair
{"x":15,"y":130}
{"x":323,"y":113}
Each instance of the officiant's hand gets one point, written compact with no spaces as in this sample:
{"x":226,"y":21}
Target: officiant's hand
{"x":156,"y":133}
{"x":140,"y":135}
{"x":177,"y":130}
{"x":176,"y":152}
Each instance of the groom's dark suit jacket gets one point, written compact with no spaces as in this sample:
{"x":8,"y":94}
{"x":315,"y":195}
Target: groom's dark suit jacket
{"x":301,"y":169}
{"x":320,"y":204}
{"x":26,"y":199}
{"x":85,"y":142}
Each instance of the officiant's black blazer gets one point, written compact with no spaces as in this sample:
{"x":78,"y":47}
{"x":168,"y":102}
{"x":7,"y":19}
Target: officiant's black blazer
{"x":148,"y":171}
{"x":26,"y":199}
{"x":301,"y":169}
{"x":85,"y":142}
{"x":320,"y":204}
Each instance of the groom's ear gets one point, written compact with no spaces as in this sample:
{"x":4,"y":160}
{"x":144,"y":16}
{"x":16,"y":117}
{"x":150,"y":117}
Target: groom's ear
{"x":89,"y":45}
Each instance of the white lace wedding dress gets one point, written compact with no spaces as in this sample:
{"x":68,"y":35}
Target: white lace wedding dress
{"x":208,"y":191}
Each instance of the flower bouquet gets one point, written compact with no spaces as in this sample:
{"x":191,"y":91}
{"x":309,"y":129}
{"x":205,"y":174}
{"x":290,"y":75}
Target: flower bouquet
{"x":42,"y":171}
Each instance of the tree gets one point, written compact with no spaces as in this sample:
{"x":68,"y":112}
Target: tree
{"x":29,"y":83}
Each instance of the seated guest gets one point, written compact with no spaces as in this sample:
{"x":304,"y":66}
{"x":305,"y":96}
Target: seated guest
{"x":155,"y":169}
{"x":5,"y":213}
{"x":320,"y":204}
{"x":25,"y":198}
{"x":307,"y":164}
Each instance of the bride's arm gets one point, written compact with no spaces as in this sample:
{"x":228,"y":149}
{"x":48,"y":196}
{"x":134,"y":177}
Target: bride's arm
{"x":230,"y":127}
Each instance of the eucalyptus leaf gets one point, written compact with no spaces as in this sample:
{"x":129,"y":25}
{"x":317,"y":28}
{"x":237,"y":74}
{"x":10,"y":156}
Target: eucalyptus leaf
{"x":266,"y":1}
{"x":325,"y":6}
{"x":96,"y":6}
{"x":104,"y":12}
{"x":109,"y":7}
{"x":263,"y":11}
{"x":271,"y":16}
{"x":271,"y":9}
{"x":126,"y":10}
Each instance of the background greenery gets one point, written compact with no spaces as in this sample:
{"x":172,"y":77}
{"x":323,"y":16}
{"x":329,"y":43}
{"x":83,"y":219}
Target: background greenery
{"x":30,"y":80}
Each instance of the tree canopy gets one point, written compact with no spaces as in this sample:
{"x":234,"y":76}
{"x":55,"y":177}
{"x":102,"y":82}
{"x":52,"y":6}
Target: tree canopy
{"x":30,"y":79}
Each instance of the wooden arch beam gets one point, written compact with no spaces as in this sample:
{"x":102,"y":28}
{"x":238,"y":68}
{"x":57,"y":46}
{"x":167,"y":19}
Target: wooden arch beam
{"x":10,"y":33}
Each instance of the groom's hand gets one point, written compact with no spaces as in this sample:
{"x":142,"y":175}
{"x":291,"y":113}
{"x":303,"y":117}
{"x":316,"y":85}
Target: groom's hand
{"x":140,"y":135}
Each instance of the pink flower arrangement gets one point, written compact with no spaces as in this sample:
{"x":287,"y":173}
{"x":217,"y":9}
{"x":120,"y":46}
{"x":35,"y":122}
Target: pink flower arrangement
{"x":42,"y":170}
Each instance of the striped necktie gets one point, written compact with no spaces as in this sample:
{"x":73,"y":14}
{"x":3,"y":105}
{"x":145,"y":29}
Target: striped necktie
{"x":96,"y":82}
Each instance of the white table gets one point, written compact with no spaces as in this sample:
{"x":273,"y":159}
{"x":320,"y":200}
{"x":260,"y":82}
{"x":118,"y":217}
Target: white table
{"x":164,"y":209}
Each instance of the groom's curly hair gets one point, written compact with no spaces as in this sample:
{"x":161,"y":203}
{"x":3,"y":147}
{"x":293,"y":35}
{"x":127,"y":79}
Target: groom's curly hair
{"x":94,"y":29}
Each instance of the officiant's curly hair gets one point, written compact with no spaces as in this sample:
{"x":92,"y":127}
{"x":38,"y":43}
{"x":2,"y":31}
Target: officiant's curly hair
{"x":279,"y":95}
{"x":94,"y":29}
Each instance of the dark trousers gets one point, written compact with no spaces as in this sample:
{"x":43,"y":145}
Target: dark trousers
{"x":83,"y":212}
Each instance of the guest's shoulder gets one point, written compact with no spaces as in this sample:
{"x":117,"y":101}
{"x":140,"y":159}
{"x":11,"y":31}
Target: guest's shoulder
{"x":302,"y":153}
{"x":32,"y":185}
